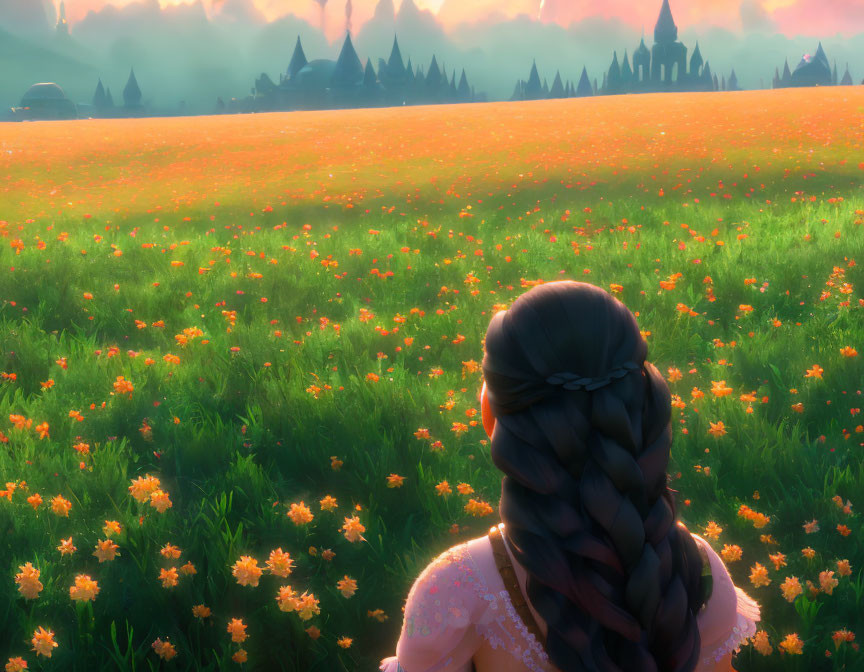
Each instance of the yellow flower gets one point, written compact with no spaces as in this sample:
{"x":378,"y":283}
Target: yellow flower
{"x":168,"y":577}
{"x":347,"y":586}
{"x":105,"y":550}
{"x":280,"y":563}
{"x":759,"y":575}
{"x":731,"y":553}
{"x":237,"y":629}
{"x":792,"y":644}
{"x":713,"y":530}
{"x":66,"y":547}
{"x":246,"y":571}
{"x":353,"y":529}
{"x":28,"y":581}
{"x":43,"y":642}
{"x":791,"y":588}
{"x":761,"y":644}
{"x":300,"y":514}
{"x":61,"y":506}
{"x":85,"y":588}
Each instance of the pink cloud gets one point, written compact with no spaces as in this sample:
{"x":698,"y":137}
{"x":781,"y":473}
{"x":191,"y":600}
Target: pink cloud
{"x":821,"y":18}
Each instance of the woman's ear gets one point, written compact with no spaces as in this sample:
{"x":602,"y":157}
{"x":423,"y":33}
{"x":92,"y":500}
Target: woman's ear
{"x":486,"y":412}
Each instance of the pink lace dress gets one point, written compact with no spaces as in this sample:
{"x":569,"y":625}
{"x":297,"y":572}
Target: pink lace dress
{"x":459,"y":601}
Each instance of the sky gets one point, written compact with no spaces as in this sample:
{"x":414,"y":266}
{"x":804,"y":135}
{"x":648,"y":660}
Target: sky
{"x":818,"y":18}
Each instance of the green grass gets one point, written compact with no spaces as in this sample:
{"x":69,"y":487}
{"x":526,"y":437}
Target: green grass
{"x":252,"y":438}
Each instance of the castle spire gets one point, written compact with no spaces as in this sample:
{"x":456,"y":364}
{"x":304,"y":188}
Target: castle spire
{"x":665,"y":29}
{"x":298,"y":60}
{"x":349,"y":70}
{"x":62,"y":26}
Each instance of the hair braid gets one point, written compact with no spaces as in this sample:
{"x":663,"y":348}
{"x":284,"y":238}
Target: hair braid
{"x":585,"y":500}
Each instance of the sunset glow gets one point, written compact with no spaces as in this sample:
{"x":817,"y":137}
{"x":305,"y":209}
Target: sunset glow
{"x":790,"y":17}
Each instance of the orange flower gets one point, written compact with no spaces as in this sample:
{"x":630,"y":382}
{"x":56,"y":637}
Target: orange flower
{"x":34,"y":500}
{"x":170,"y":551}
{"x":719,"y":389}
{"x":778,"y":559}
{"x":201,"y":611}
{"x":16,"y":664}
{"x":237,"y":629}
{"x":464,"y":489}
{"x":300,"y":514}
{"x":761,"y":644}
{"x":827,"y":581}
{"x":66,"y":547}
{"x":353,"y":529}
{"x":443,"y":488}
{"x":28,"y":581}
{"x":165,"y":650}
{"x":395,"y":481}
{"x":792,"y":644}
{"x":844,"y":568}
{"x":160,"y":501}
{"x":808,"y":553}
{"x":791,"y":588}
{"x":239,"y":656}
{"x":111,"y":527}
{"x":814,"y":372}
{"x":731,"y":553}
{"x":43,"y":642}
{"x":105,"y":550}
{"x":168,"y":577}
{"x":85,"y":589}
{"x":344,"y":642}
{"x":246,"y":571}
{"x":285,"y":598}
{"x":328,"y":503}
{"x":717,"y":428}
{"x":759,"y":575}
{"x":811,"y":527}
{"x":61,"y":506}
{"x":347,"y":586}
{"x":280,"y":563}
{"x":713,"y":530}
{"x":478,"y":508}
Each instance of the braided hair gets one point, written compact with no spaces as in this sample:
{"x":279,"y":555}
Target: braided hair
{"x":585,"y":499}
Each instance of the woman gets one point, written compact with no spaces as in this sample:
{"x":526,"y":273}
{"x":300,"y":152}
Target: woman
{"x":589,"y":570}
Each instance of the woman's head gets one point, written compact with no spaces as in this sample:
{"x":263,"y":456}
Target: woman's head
{"x":584,"y":498}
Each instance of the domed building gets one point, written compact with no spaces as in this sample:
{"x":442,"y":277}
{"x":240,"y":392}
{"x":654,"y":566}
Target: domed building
{"x":45,"y":100}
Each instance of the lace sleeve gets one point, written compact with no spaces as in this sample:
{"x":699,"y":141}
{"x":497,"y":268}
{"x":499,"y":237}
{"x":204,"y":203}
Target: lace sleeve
{"x":729,"y":618}
{"x":438,"y":633}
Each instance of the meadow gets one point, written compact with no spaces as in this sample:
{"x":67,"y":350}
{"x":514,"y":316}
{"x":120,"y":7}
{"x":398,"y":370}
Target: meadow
{"x":240,"y":360}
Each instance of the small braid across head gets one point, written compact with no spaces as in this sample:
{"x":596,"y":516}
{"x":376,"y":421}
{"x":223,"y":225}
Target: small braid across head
{"x":583,"y":436}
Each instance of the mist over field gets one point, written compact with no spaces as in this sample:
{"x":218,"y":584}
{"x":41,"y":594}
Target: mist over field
{"x":191,"y":53}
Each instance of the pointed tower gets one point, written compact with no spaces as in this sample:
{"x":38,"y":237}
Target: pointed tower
{"x":409,"y":73}
{"x":847,"y":77}
{"x":131,"y":93}
{"x":348,"y":71}
{"x":626,"y":74}
{"x":820,"y":56}
{"x":557,"y":90}
{"x":62,"y":26}
{"x":716,"y":84}
{"x":594,"y":87}
{"x":834,"y":73}
{"x":395,"y":67}
{"x":665,"y":30}
{"x":99,"y":96}
{"x":641,"y":63}
{"x":533,"y":87}
{"x":696,"y":63}
{"x":707,"y":80}
{"x":733,"y":82}
{"x":613,"y":78}
{"x":298,"y":60}
{"x":463,"y":91}
{"x":583,"y":89}
{"x":786,"y":80}
{"x":109,"y":99}
{"x":369,"y":78}
{"x":433,"y":76}
{"x":776,"y":82}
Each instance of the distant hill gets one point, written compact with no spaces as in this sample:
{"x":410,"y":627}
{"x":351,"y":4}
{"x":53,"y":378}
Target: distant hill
{"x":23,"y":63}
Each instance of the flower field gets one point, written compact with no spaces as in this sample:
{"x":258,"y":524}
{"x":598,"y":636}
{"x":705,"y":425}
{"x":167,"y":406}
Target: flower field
{"x":240,"y":360}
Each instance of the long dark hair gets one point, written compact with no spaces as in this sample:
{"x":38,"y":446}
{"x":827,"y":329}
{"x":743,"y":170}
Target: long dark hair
{"x":585,"y":499}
